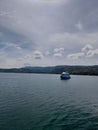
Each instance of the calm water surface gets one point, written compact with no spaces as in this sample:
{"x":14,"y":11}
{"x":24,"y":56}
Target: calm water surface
{"x":44,"y":102}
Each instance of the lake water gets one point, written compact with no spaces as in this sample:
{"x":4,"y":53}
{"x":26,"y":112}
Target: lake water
{"x":44,"y":102}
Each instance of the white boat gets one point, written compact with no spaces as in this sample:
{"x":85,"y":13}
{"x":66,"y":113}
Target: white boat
{"x":65,"y":75}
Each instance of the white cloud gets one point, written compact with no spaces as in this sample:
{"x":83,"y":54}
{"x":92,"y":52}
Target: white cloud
{"x":89,"y":51}
{"x":37,"y":54}
{"x":12,"y":46}
{"x":58,"y":55}
{"x":58,"y":50}
{"x":76,"y":56}
{"x":92,"y":53}
{"x":87,"y":47}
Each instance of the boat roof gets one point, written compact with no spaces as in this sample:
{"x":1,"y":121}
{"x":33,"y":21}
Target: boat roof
{"x":65,"y":73}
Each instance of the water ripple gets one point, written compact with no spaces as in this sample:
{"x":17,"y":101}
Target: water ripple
{"x":27,"y":103}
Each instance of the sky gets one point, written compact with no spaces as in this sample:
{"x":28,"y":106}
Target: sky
{"x":48,"y":32}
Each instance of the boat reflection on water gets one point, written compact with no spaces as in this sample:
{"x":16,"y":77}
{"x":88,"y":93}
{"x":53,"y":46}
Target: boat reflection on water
{"x":65,"y":75}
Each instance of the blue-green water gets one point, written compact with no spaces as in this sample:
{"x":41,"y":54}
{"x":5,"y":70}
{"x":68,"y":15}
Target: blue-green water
{"x":44,"y":102}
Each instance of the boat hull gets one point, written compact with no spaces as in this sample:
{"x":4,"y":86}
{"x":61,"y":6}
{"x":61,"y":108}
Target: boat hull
{"x":65,"y":78}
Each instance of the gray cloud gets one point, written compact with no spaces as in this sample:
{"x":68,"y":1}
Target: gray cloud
{"x":76,"y":56}
{"x":48,"y":26}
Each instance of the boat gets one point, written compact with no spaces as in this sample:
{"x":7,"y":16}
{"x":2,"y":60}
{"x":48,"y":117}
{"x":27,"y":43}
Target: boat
{"x":65,"y":75}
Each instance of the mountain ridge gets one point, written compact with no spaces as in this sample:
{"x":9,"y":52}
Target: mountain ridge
{"x":75,"y":70}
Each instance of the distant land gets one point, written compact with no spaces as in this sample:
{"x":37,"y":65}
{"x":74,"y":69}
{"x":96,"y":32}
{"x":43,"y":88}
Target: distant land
{"x":74,"y":70}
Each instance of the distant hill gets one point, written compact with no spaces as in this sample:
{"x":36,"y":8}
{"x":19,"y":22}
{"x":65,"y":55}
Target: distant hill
{"x":75,"y":70}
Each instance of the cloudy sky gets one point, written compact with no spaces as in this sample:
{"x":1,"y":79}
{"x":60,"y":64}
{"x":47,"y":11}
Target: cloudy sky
{"x":48,"y":32}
